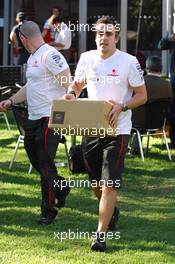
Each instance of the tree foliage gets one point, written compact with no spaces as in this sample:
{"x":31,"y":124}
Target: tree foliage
{"x":151,"y":22}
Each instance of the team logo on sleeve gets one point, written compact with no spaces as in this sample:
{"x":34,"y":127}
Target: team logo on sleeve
{"x":139,"y":69}
{"x":56,"y":58}
{"x":60,"y":65}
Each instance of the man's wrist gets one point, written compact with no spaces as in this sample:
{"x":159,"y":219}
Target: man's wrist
{"x":124,"y":107}
{"x":11,"y":101}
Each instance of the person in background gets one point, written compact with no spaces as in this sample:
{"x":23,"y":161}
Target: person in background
{"x":168,"y":43}
{"x":156,"y":86}
{"x":62,"y":40}
{"x":19,"y":51}
{"x":142,"y":60}
{"x":48,"y":30}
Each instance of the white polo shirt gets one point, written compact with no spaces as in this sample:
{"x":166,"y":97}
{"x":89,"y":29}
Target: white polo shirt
{"x":63,"y":37}
{"x":48,"y":26}
{"x":111,"y":79}
{"x":42,"y":86}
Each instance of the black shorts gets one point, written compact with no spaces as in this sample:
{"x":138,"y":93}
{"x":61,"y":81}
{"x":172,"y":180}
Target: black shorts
{"x":104,"y":159}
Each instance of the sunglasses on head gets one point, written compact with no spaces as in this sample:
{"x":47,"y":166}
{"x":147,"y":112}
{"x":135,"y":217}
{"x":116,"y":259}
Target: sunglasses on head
{"x":20,"y":33}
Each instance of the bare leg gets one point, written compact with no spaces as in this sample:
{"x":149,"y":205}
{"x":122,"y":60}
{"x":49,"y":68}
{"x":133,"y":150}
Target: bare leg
{"x":98,"y":192}
{"x":106,"y":208}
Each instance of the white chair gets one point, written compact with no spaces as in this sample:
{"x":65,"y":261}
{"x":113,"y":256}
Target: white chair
{"x":149,"y":120}
{"x":5,"y":92}
{"x":3,"y":115}
{"x":21,"y":117}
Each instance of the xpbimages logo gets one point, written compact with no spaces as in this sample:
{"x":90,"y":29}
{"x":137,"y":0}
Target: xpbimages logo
{"x":85,"y":131}
{"x":112,"y":77}
{"x":86,"y":27}
{"x":72,"y":235}
{"x":86,"y":183}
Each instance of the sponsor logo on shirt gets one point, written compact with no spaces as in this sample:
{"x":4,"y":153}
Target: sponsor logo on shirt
{"x":35,"y":64}
{"x":107,"y":78}
{"x":113,"y":73}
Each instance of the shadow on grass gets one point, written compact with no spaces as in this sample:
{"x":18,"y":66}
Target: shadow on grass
{"x":18,"y":177}
{"x":83,"y":217}
{"x":5,"y":142}
{"x":134,"y":231}
{"x":138,"y":247}
{"x":14,"y":200}
{"x":152,"y":154}
{"x":136,"y":172}
{"x":81,"y":212}
{"x":160,"y":156}
{"x":21,"y":219}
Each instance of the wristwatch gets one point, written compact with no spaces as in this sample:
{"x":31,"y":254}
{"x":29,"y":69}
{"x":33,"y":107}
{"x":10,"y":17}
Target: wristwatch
{"x":11,"y":101}
{"x":124,"y":107}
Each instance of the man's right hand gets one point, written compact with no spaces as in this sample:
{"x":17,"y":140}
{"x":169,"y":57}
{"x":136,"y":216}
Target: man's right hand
{"x":4,"y":105}
{"x":69,"y":97}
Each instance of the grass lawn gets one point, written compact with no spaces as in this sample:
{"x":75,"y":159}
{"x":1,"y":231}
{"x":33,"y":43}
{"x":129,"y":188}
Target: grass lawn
{"x":146,"y":201}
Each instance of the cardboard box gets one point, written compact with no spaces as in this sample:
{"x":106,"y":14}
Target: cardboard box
{"x":81,"y":117}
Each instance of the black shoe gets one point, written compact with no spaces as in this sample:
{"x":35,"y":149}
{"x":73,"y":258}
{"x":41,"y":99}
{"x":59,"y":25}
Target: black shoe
{"x":99,"y":243}
{"x":61,"y":197}
{"x":172,"y":145}
{"x":114,"y":219}
{"x":47,"y":220}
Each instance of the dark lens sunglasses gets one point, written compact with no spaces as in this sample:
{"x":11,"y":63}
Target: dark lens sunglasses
{"x":20,"y":32}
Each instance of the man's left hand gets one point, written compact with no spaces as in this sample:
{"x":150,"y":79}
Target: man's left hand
{"x":113,"y":115}
{"x":69,"y":97}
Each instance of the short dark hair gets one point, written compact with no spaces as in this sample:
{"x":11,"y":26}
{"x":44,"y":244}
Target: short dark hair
{"x":58,"y":8}
{"x":153,"y":64}
{"x":109,"y":20}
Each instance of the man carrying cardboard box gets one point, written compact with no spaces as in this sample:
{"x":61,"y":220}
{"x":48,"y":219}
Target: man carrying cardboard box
{"x":110,"y":75}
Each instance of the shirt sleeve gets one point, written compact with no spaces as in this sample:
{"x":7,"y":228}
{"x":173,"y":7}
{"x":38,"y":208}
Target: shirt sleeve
{"x":46,"y":25}
{"x":62,"y":35}
{"x":55,"y":62}
{"x":80,"y":73}
{"x":14,"y":29}
{"x":135,"y":74}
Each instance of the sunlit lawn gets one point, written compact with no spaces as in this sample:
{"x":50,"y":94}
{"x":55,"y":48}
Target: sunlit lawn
{"x":146,"y":201}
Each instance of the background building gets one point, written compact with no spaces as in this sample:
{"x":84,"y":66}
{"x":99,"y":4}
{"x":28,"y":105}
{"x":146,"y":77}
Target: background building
{"x":143,"y":22}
